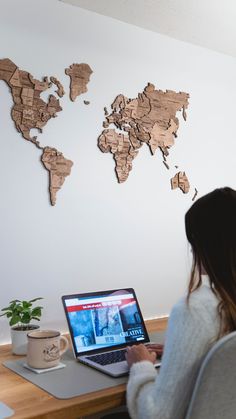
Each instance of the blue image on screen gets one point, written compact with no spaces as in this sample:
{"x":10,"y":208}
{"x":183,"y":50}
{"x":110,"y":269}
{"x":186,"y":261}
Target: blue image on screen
{"x":82,"y":326}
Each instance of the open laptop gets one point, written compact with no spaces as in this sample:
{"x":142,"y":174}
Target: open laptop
{"x":102,"y":324}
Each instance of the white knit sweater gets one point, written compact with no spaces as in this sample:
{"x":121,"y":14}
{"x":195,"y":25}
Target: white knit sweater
{"x":191,"y":331}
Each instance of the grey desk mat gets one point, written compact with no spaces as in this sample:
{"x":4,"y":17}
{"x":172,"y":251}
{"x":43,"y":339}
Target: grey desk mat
{"x":74,"y":380}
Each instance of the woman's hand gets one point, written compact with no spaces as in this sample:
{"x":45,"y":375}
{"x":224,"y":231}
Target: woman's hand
{"x":156,"y":347}
{"x":139,"y":353}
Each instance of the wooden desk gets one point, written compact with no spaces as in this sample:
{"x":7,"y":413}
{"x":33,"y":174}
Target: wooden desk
{"x":29,"y":401}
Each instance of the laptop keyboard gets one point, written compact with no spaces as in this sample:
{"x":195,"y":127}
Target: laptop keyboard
{"x":108,"y":357}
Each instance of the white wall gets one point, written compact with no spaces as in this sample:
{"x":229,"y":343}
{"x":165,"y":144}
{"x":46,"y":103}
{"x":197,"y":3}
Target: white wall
{"x":102,"y":234}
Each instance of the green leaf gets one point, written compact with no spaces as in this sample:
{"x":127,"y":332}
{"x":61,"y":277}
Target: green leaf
{"x":36,"y":299}
{"x":5,"y":309}
{"x":26,"y":304}
{"x":26,"y":318}
{"x":13,"y":306}
{"x":36,"y":311}
{"x":14,"y":320}
{"x":36,"y":318}
{"x":25,"y":310}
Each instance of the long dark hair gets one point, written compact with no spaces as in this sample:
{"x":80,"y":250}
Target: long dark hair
{"x":210,"y":226}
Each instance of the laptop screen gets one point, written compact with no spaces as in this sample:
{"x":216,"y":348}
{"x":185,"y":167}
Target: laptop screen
{"x":104,"y":320}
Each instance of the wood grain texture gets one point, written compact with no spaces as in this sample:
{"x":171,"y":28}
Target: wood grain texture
{"x":150,"y":118}
{"x":79,"y":78}
{"x":29,"y":401}
{"x":29,"y":109}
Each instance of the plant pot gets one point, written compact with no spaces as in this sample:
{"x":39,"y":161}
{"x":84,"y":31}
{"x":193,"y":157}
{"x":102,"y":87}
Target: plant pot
{"x":19,"y":339}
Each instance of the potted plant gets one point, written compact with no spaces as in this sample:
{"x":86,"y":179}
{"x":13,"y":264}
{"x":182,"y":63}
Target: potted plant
{"x":20,"y":314}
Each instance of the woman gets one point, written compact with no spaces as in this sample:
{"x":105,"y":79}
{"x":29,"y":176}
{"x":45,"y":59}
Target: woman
{"x":196,"y":321}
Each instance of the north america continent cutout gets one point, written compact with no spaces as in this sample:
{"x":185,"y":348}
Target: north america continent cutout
{"x":31,"y":111}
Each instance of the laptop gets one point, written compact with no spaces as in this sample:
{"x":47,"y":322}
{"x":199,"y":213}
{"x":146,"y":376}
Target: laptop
{"x":102,"y":324}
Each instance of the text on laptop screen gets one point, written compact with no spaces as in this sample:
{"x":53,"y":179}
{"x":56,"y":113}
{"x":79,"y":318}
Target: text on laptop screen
{"x":104,"y":321}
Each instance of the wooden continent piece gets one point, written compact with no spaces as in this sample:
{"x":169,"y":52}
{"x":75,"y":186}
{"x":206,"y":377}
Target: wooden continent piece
{"x":79,"y":78}
{"x":149,"y":118}
{"x":59,"y":168}
{"x":118,"y":144}
{"x":29,"y":110}
{"x":60,"y":89}
{"x":180,"y":181}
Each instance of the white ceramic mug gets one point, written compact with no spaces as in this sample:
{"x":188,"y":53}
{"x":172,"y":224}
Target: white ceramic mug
{"x":45,"y":348}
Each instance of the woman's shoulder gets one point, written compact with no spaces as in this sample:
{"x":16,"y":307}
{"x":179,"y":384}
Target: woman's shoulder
{"x":202,"y":301}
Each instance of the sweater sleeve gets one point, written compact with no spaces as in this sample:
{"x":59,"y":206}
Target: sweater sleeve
{"x":166,"y":395}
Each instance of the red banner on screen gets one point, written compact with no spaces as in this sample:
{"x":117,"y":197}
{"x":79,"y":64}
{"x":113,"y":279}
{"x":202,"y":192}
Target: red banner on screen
{"x":103,"y":304}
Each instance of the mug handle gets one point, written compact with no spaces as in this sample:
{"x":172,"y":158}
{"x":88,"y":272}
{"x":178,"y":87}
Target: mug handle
{"x":65,"y":345}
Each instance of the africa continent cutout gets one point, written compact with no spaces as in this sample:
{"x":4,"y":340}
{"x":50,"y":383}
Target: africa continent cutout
{"x":149,"y":118}
{"x":31,"y":111}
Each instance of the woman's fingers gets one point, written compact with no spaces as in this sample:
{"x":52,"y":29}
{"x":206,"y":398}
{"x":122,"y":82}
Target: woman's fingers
{"x":138,"y":353}
{"x":153,"y":357}
{"x":155,"y":347}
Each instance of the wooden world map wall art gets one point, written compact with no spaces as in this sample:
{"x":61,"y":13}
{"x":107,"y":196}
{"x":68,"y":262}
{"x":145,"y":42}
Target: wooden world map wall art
{"x":31,"y":111}
{"x":150,"y":119}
